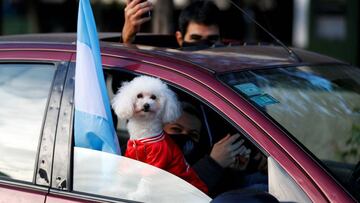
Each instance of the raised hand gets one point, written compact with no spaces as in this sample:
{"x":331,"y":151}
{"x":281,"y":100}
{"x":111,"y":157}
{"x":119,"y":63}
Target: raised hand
{"x":134,"y":11}
{"x":227,"y":151}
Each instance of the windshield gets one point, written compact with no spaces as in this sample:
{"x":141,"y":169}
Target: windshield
{"x":318,"y":105}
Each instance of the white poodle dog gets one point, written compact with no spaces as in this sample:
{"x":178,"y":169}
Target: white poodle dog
{"x":147,"y":103}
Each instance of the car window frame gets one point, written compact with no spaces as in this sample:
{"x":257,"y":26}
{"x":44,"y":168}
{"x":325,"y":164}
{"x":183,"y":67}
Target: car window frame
{"x":62,"y":159}
{"x":46,"y":146}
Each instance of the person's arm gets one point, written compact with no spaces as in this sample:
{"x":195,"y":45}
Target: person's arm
{"x":224,"y":153}
{"x":210,"y":172}
{"x":133,"y":19}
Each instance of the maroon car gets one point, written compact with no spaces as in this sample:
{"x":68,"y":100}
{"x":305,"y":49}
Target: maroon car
{"x":299,"y":109}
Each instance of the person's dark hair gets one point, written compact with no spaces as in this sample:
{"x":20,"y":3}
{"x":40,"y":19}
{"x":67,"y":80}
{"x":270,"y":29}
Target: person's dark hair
{"x":190,"y":109}
{"x":202,"y":12}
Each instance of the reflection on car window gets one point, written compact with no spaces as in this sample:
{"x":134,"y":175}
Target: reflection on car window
{"x":319,"y":105}
{"x":24,"y":90}
{"x":115,"y":176}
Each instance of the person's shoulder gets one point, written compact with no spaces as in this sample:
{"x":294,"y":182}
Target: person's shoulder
{"x":245,"y":196}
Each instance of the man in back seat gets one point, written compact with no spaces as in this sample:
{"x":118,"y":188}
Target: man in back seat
{"x":198,"y":23}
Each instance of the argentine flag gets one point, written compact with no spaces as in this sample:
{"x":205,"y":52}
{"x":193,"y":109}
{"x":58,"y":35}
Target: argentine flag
{"x":94,"y":127}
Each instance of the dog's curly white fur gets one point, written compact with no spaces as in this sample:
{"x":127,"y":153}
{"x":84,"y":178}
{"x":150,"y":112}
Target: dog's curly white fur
{"x":147,"y":103}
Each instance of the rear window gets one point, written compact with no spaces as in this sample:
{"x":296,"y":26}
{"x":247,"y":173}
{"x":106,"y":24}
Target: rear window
{"x":24,"y":90}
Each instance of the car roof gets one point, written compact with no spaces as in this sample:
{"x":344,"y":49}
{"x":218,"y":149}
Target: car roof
{"x":218,"y":59}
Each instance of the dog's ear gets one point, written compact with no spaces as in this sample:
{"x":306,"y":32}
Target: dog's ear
{"x":123,"y":102}
{"x":172,"y":108}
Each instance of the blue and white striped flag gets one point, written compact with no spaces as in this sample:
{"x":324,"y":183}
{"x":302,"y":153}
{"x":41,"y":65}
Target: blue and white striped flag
{"x":94,"y":127}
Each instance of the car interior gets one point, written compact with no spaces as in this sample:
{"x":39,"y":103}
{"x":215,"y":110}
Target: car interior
{"x":211,"y":120}
{"x":215,"y":127}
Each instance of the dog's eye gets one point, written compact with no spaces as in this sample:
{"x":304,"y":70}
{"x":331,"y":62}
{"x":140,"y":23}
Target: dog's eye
{"x":139,"y":96}
{"x":153,"y":97}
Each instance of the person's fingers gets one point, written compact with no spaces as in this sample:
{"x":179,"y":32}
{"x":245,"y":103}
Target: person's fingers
{"x":233,"y":138}
{"x":235,"y":161}
{"x":137,"y":19}
{"x":142,"y":20}
{"x":242,"y":150}
{"x":142,"y":11}
{"x":132,"y":3}
{"x":236,"y":145}
{"x":239,"y":151}
{"x":133,"y":8}
{"x":247,"y":152}
{"x":224,"y":139}
{"x":142,"y":5}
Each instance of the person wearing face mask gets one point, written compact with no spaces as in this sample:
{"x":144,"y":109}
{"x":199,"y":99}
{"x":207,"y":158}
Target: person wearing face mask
{"x":198,"y":23}
{"x":226,"y":158}
{"x":186,"y":133}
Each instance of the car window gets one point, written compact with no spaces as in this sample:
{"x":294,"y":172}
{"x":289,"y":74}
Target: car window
{"x":116,"y":176}
{"x":24,"y":92}
{"x":199,"y":143}
{"x":318,"y":105}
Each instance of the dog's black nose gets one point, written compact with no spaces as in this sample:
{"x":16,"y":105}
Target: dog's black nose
{"x":146,"y":107}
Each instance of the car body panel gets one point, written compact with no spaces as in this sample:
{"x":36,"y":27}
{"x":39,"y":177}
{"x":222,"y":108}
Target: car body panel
{"x":21,"y":193}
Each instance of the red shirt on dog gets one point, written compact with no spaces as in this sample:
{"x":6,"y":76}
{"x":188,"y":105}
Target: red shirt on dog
{"x":162,"y":152}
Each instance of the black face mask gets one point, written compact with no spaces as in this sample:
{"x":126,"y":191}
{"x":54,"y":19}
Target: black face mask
{"x":198,"y":45}
{"x":185,"y":143}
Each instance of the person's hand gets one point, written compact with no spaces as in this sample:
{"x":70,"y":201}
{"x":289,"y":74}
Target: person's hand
{"x":262,"y":166}
{"x":133,"y":20}
{"x":242,"y":160}
{"x":226,"y":151}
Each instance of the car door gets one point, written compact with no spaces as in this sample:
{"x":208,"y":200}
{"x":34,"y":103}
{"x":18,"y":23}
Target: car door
{"x":30,"y":91}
